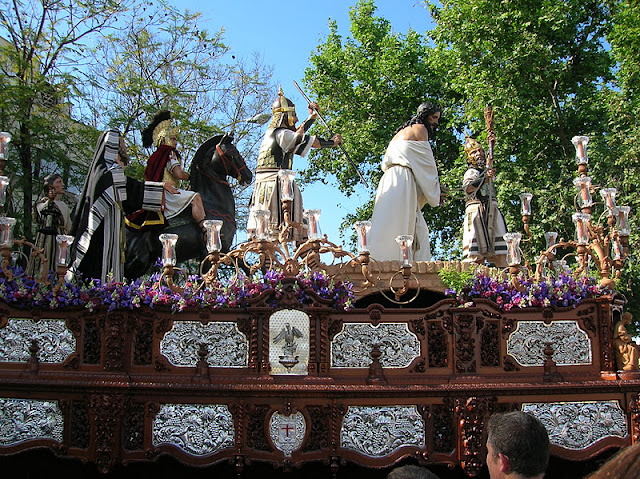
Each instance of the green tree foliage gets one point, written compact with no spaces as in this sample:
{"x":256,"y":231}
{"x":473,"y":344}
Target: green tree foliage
{"x":541,"y":64}
{"x":552,"y":70}
{"x":622,"y":149}
{"x":43,"y":40}
{"x":368,"y":85}
{"x":162,"y":58}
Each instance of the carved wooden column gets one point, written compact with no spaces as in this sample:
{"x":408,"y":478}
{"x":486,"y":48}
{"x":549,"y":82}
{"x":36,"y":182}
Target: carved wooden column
{"x":471,"y":449}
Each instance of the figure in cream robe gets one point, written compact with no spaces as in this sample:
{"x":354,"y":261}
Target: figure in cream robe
{"x":410,"y":180}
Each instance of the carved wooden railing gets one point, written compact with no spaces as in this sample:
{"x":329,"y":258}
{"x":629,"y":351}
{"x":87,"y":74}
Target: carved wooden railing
{"x":368,"y":386}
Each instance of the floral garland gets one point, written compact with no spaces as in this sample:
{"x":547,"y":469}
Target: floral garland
{"x":25,"y":292}
{"x":563,"y":290}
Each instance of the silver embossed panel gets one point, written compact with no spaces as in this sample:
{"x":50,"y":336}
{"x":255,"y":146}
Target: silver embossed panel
{"x":55,"y":342}
{"x":351,"y":347}
{"x":198,"y":429}
{"x":25,"y":419}
{"x":287,"y":432}
{"x":377,"y":431}
{"x":571,"y":345}
{"x":578,"y":425}
{"x":227,"y":347}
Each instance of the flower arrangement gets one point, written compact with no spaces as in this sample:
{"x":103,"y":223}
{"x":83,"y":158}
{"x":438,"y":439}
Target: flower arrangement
{"x":562,"y":290}
{"x":25,"y":292}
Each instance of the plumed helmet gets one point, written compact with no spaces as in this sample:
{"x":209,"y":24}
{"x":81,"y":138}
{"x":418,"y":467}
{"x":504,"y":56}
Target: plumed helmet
{"x":282,"y":109}
{"x":470,"y":147}
{"x":161,"y":127}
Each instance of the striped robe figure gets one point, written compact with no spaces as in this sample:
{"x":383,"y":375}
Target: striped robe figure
{"x":98,"y":218}
{"x":476,"y":244}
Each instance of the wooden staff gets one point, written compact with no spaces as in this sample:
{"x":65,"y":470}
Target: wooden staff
{"x":491,"y":211}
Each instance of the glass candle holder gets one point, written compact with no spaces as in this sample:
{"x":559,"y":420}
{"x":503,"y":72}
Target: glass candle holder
{"x":313,"y":222}
{"x":5,"y":138}
{"x":405,"y":243}
{"x":62,"y":252}
{"x":285,"y":177}
{"x":362,"y":228}
{"x":261,"y":218}
{"x":609,"y":198}
{"x":214,"y":243}
{"x":513,"y":248}
{"x":551,"y":238}
{"x":622,"y":220}
{"x":583,"y":185}
{"x":561,"y":266}
{"x":525,"y":199}
{"x":4,"y":185}
{"x":6,"y":231}
{"x":168,"y":249}
{"x":580,"y":143}
{"x":581,"y":221}
{"x":616,"y":250}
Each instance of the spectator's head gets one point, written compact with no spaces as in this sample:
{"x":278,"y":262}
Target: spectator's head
{"x":411,"y":472}
{"x":517,"y":446}
{"x":624,"y":465}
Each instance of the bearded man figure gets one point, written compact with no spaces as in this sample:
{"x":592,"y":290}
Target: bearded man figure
{"x":282,"y":140}
{"x":484,"y":226}
{"x":409,"y":182}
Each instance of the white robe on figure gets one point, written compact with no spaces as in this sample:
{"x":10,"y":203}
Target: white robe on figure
{"x":410,"y":181}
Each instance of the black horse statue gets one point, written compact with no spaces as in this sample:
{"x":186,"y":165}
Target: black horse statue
{"x":215,"y":160}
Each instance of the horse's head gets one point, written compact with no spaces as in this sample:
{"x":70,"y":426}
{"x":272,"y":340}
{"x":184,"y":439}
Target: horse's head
{"x":219,"y":156}
{"x":231,"y":160}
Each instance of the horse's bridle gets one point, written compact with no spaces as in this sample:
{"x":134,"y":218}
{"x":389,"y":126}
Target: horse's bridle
{"x":228,"y":163}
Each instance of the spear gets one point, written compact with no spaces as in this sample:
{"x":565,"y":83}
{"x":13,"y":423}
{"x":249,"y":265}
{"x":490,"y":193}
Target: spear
{"x":364,"y":182}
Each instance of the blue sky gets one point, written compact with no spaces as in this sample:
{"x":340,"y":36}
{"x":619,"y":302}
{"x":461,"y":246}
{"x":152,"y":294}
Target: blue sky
{"x":259,"y":27}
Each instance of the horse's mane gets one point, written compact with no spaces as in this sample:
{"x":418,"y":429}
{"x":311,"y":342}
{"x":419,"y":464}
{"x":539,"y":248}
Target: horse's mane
{"x":203,"y":153}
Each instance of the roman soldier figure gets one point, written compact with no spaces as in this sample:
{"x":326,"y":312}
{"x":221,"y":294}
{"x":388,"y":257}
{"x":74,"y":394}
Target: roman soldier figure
{"x":281,"y":142}
{"x":165,"y":165}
